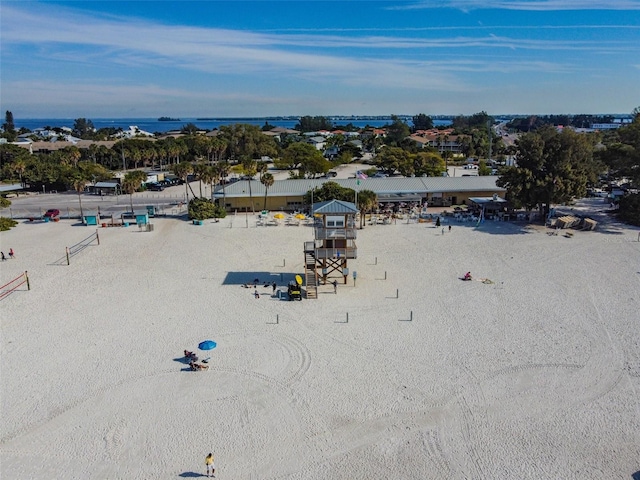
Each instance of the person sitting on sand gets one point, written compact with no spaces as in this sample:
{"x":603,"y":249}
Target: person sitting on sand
{"x":467,"y":276}
{"x":197,"y":366}
{"x":190,"y":355}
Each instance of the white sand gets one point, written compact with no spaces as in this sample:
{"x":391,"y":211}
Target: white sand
{"x":534,"y":376}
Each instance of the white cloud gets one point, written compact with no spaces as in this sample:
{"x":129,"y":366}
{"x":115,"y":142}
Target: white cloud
{"x":530,"y":5}
{"x":70,"y":37}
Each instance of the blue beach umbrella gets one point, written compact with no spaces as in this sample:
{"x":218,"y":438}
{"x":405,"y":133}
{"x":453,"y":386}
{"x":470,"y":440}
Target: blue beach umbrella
{"x":207,"y":345}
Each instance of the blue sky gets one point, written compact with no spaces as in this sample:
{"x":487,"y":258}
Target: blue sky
{"x":238,"y":58}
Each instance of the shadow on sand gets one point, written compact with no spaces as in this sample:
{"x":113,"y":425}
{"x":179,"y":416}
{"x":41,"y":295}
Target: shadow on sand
{"x":259,"y":279}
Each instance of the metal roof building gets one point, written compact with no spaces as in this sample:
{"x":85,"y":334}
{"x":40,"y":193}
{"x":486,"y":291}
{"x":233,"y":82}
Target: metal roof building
{"x":380,"y":186}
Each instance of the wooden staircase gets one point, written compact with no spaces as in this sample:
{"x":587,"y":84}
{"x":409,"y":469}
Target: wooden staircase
{"x":310,"y":276}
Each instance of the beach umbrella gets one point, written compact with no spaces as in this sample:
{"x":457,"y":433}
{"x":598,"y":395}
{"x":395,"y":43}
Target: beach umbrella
{"x":300,"y":216}
{"x":207,"y":345}
{"x":278,"y":215}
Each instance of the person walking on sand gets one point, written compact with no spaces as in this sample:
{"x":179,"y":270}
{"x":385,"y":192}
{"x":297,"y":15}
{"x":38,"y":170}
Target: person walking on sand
{"x":211,"y":467}
{"x":274,"y":286}
{"x":11,"y":253}
{"x":335,"y":286}
{"x":443,"y":230}
{"x":449,"y":227}
{"x":3,"y":257}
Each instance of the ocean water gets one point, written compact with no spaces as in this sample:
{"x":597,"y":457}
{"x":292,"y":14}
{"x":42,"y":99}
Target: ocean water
{"x":153,"y":125}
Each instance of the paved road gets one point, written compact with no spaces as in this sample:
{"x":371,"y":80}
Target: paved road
{"x":170,"y":202}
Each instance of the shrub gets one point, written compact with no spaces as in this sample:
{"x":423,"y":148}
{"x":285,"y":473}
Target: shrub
{"x":7,"y":224}
{"x":203,"y":208}
{"x":630,"y":209}
{"x":4,"y":202}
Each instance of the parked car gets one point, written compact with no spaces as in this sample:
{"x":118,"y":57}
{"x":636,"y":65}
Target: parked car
{"x":330,"y":174}
{"x":52,"y":213}
{"x":155,"y":187}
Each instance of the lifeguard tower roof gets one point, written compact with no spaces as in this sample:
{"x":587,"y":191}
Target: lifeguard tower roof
{"x":334,"y":206}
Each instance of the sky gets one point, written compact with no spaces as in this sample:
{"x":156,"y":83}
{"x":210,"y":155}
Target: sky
{"x":110,"y":59}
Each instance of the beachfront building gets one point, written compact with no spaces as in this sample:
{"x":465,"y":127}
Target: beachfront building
{"x":333,"y":245}
{"x":288,"y":195}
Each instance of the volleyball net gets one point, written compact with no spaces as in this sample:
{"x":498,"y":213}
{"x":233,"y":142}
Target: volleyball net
{"x":74,"y":250}
{"x":14,"y":284}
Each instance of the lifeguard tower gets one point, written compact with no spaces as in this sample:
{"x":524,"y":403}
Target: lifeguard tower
{"x":335,"y":235}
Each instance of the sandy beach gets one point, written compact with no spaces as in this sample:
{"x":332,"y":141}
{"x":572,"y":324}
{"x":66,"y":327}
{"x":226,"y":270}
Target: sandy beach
{"x":532,"y":374}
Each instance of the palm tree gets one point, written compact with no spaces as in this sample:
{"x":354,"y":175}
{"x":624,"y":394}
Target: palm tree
{"x":250,"y":168}
{"x":262,"y":168}
{"x":19,"y":166}
{"x":182,"y":170}
{"x":208,"y":175}
{"x":79,"y":182}
{"x":267,"y":180}
{"x":222,"y":170}
{"x":131,"y":183}
{"x":199,"y":170}
{"x":367,"y":200}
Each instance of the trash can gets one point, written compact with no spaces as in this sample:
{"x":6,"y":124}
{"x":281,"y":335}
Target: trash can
{"x":126,"y":224}
{"x":47,"y":219}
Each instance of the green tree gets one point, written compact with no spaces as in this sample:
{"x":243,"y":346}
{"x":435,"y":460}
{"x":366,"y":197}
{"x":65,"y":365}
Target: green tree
{"x":622,"y":157}
{"x":313,"y":124}
{"x":477,"y":120}
{"x":552,"y":168}
{"x":397,"y":131}
{"x":19,"y":166}
{"x":189,"y":129}
{"x":203,"y":208}
{"x":330,"y":191}
{"x":222,"y":170}
{"x":182,"y":170}
{"x":428,"y":163}
{"x":367,"y":201}
{"x":209,"y":175}
{"x":132,"y":182}
{"x":422,"y":122}
{"x":262,"y":168}
{"x":8,"y":125}
{"x":267,"y":180}
{"x":79,"y":182}
{"x":83,"y":128}
{"x":199,"y":170}
{"x":250,"y":168}
{"x":247,"y":141}
{"x":304,"y":157}
{"x":483,"y":169}
{"x":391,"y":159}
{"x":7,"y":224}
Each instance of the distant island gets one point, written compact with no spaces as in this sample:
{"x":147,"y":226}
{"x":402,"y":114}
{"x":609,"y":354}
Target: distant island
{"x":168,"y":119}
